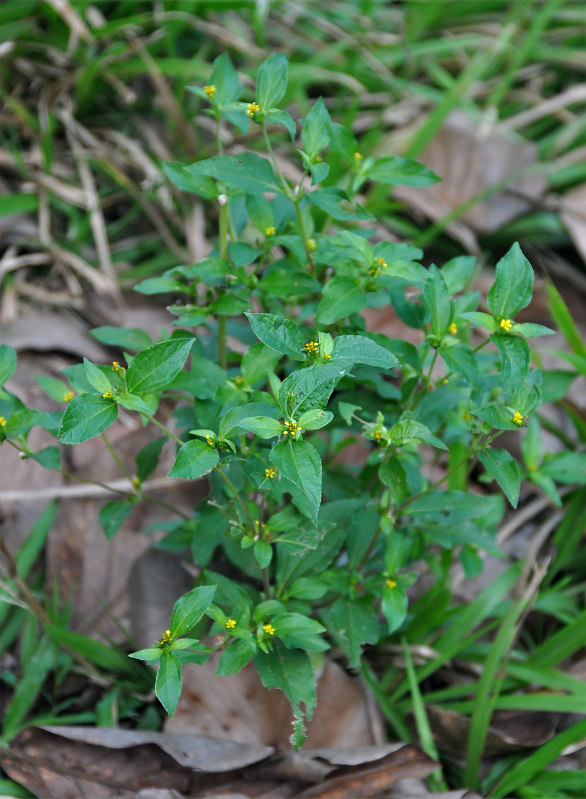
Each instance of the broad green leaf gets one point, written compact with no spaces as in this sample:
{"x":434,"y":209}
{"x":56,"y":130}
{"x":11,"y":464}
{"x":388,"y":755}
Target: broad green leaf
{"x":96,"y":378}
{"x":530,"y":330}
{"x":127,"y":338}
{"x":532,"y":445}
{"x":341,"y":297}
{"x":461,"y":361}
{"x":194,"y":459}
{"x":335,"y":202}
{"x":513,"y":285}
{"x":158,"y":365}
{"x":299,"y":462}
{"x":152,"y":654}
{"x":18,"y":203}
{"x":234,"y":658}
{"x":566,"y":467}
{"x":276,"y":117}
{"x":261,"y":426}
{"x":401,"y":172}
{"x":225,"y":78}
{"x":161,"y":285}
{"x":7,"y":362}
{"x":352,"y":623}
{"x":231,"y":420}
{"x":281,"y":335}
{"x":360,"y":349}
{"x":49,"y":457}
{"x":257,"y":361}
{"x":148,"y":458}
{"x":309,"y":388}
{"x":246,"y":171}
{"x":457,"y":272}
{"x":292,"y":672}
{"x":497,"y":415}
{"x":86,"y":417}
{"x":501,"y":465}
{"x":347,"y":411}
{"x":315,"y":419}
{"x":563,"y":319}
{"x":112,"y":516}
{"x":133,"y":403}
{"x":168,"y":682}
{"x":190,"y":608}
{"x":187,"y":180}
{"x":316,"y":129}
{"x":263,"y":552}
{"x":481,"y":319}
{"x":300,"y":632}
{"x":457,"y":505}
{"x":271,"y":82}
{"x":516,"y":359}
{"x":105,"y":656}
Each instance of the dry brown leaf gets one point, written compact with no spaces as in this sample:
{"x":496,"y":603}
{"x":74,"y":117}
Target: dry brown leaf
{"x":470,"y":157}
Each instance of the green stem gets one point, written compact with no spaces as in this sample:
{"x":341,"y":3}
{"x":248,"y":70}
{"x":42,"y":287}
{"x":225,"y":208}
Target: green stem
{"x":287,"y":190}
{"x":114,"y":454}
{"x":223,"y":244}
{"x":310,"y":264}
{"x":165,"y":430}
{"x":238,"y":499}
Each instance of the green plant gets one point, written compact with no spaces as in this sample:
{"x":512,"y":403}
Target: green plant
{"x":299,"y":549}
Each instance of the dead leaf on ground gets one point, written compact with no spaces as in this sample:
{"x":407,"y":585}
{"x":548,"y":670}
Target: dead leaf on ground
{"x":471,"y":156}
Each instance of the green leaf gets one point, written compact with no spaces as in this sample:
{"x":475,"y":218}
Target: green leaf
{"x":316,"y":129}
{"x":158,"y":365}
{"x":133,"y":403}
{"x":566,"y":467}
{"x":501,"y":465}
{"x":187,"y":180}
{"x":330,"y":200}
{"x":283,"y":118}
{"x":315,"y":419}
{"x":309,"y":388}
{"x":18,"y":203}
{"x":160,"y":285}
{"x":105,"y":656}
{"x":394,"y":606}
{"x":461,"y":361}
{"x":292,"y":672}
{"x":257,"y":361}
{"x":516,"y":359}
{"x":168,"y":682}
{"x":281,"y":335}
{"x":352,"y":623}
{"x":7,"y":362}
{"x":457,"y":272}
{"x":401,"y":172}
{"x":300,"y":463}
{"x":563,"y":319}
{"x":261,"y":426}
{"x":35,"y":541}
{"x":436,"y":299}
{"x":49,"y":457}
{"x":271,"y":82}
{"x":513,"y":286}
{"x":96,"y":378}
{"x":231,"y":420}
{"x":29,"y":685}
{"x":246,"y":171}
{"x":225,"y":78}
{"x":263,"y":552}
{"x":480,"y":319}
{"x":530,"y":330}
{"x":297,"y":631}
{"x":347,"y":411}
{"x":341,"y":297}
{"x":86,"y":417}
{"x":112,"y":516}
{"x":234,"y":658}
{"x":453,"y":505}
{"x":532,"y":445}
{"x":127,"y":338}
{"x":194,"y":459}
{"x":190,"y":608}
{"x":360,"y":349}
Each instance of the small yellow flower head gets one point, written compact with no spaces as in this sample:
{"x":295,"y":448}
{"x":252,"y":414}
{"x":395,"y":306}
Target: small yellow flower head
{"x":517,"y":418}
{"x":311,"y":347}
{"x":116,"y":366}
{"x":380,"y":262}
{"x":269,"y":629}
{"x":467,"y":417}
{"x":270,"y":473}
{"x":210,"y":441}
{"x":506,"y":325}
{"x":253,"y":109}
{"x":107,"y":395}
{"x":230,"y":624}
{"x":135,"y":482}
{"x":292,"y":429}
{"x":239,"y":380}
{"x":391,"y":583}
{"x":378,"y":435}
{"x":327,"y":356}
{"x":166,"y":639}
{"x":357,"y":157}
{"x":453,"y":329}
{"x":210,"y":91}
{"x":270,"y":231}
{"x":68,"y":397}
{"x":2,"y":421}
{"x":311,"y":245}
{"x":445,"y":381}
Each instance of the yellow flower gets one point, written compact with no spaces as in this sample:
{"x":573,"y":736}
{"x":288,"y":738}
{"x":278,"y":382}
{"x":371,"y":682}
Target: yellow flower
{"x":311,"y":244}
{"x":135,"y":482}
{"x":68,"y":397}
{"x":292,"y":429}
{"x":166,"y":639}
{"x":238,"y":380}
{"x":253,"y":108}
{"x":107,"y":395}
{"x":453,"y":329}
{"x":517,"y":418}
{"x":269,"y":629}
{"x":378,"y":435}
{"x":210,"y":441}
{"x":115,"y":366}
{"x":327,"y":356}
{"x":270,"y":473}
{"x":210,"y":91}
{"x":270,"y":231}
{"x":506,"y":325}
{"x":230,"y":624}
{"x":2,"y":421}
{"x":357,"y":157}
{"x":311,"y":347}
{"x":391,"y":584}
